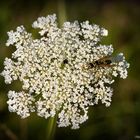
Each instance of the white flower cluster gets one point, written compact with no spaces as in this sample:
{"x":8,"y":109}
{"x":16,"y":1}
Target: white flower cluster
{"x":21,"y":103}
{"x":64,"y":72}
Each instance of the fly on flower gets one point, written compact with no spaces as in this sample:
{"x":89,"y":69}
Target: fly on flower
{"x":106,"y":61}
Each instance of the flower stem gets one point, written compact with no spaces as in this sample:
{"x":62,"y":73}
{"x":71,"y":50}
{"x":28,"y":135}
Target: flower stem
{"x":51,"y":128}
{"x":62,"y":16}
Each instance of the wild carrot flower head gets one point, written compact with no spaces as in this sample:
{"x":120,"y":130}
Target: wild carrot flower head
{"x":63,"y":72}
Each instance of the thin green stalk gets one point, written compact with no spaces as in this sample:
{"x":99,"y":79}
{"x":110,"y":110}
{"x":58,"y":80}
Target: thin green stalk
{"x":62,"y":16}
{"x":51,"y":128}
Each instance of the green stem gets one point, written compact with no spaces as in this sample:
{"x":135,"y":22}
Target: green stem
{"x":51,"y":128}
{"x":62,"y":16}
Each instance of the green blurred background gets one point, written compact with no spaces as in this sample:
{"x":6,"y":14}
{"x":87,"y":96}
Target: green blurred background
{"x":120,"y":121}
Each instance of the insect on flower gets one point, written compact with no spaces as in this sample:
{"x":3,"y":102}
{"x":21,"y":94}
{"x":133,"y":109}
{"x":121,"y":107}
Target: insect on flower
{"x":102,"y":62}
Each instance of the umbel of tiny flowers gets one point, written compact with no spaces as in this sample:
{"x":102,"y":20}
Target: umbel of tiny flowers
{"x":63,"y":72}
